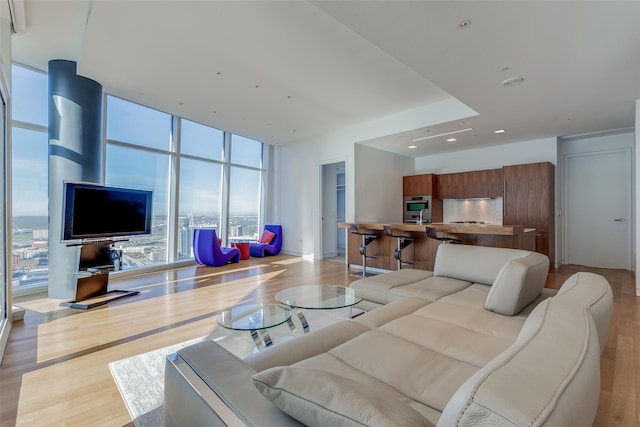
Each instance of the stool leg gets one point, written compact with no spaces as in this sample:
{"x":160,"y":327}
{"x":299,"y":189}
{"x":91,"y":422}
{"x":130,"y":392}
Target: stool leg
{"x":363,"y":251}
{"x":366,"y":240}
{"x":402,"y":244}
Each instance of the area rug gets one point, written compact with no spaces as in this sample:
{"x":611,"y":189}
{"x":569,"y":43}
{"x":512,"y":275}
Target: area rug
{"x":140,"y":378}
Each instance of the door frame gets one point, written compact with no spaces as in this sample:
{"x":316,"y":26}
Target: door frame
{"x":321,"y":189}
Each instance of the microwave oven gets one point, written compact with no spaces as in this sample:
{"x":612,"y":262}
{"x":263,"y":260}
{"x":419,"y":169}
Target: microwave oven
{"x":413,"y":205}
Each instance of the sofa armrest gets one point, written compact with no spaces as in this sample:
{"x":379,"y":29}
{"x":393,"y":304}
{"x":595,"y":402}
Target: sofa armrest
{"x":206,"y":385}
{"x":549,"y":376}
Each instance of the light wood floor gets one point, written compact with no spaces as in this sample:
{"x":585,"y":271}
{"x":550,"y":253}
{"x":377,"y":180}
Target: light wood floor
{"x":55,"y":370}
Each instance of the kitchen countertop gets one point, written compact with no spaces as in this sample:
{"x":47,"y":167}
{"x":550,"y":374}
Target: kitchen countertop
{"x":452,"y":228}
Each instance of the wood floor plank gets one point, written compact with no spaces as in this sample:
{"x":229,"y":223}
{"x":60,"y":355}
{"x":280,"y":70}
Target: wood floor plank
{"x":55,"y":370}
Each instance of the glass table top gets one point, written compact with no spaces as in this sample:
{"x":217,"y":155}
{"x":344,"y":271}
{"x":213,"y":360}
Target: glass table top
{"x":318,"y":297}
{"x":251,"y":317}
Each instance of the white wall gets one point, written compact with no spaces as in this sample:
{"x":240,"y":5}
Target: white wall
{"x":378,"y":184}
{"x":373,"y":183}
{"x":541,"y":150}
{"x":5,"y":40}
{"x":297,"y":190}
{"x":637,"y":182}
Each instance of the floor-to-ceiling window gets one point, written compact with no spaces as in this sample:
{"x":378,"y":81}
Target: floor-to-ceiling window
{"x":199,"y":196}
{"x":149,"y":149}
{"x":245,"y":191}
{"x":139,"y":154}
{"x":197,"y":178}
{"x":30,"y":177}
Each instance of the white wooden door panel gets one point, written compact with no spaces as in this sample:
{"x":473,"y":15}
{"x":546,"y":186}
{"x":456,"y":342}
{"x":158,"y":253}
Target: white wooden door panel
{"x":597,"y":218}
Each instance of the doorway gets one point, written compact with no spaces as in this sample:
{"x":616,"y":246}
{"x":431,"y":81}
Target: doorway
{"x":597,"y":220}
{"x":333,"y":201}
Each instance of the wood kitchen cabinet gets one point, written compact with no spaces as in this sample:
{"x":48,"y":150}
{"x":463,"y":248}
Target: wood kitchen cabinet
{"x":424,"y":185}
{"x":420,"y":185}
{"x":529,"y":200}
{"x":466,"y":185}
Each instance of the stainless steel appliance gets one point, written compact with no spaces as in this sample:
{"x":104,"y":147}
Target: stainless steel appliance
{"x":416,"y":208}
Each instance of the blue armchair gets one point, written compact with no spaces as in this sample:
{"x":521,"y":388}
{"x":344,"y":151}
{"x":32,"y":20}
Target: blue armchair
{"x":208,"y":251}
{"x":273,"y":248}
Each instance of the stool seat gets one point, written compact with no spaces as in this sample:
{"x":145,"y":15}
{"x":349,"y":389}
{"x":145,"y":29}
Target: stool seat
{"x":431,"y":233}
{"x":404,"y":240}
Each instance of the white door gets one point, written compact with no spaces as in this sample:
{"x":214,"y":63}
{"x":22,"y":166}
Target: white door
{"x":597,"y":220}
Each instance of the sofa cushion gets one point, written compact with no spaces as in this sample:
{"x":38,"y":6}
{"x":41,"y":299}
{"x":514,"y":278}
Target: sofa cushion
{"x":431,"y":289}
{"x":318,"y":398}
{"x":375,"y":288}
{"x":518,"y":283}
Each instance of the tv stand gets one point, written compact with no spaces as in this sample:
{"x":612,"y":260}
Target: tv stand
{"x":92,"y":278}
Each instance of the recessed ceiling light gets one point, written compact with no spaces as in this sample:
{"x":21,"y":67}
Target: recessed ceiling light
{"x":464,"y":24}
{"x":499,"y":131}
{"x":442,"y":134}
{"x":412,"y":146}
{"x":451,"y":140}
{"x":513,"y":81}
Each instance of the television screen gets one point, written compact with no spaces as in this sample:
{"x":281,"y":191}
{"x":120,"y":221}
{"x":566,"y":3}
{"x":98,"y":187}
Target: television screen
{"x":98,"y":211}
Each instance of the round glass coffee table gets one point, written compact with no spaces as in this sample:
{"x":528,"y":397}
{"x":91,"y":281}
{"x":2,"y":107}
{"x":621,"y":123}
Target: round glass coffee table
{"x":317,"y":297}
{"x":256,"y":318}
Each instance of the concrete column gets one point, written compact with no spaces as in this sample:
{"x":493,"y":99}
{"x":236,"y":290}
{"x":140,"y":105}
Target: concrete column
{"x":75,"y":154}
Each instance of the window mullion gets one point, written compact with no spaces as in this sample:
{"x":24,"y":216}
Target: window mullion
{"x":174,"y":192}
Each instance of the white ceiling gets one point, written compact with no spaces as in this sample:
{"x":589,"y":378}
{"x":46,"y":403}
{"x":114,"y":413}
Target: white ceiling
{"x":286,"y":71}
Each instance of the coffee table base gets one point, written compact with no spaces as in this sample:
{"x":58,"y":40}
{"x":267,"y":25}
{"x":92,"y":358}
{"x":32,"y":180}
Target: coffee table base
{"x":262,"y":339}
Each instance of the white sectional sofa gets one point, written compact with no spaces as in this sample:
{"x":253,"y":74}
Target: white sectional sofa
{"x":478,"y":342}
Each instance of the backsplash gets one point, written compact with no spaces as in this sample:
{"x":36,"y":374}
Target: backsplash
{"x":488,"y":211}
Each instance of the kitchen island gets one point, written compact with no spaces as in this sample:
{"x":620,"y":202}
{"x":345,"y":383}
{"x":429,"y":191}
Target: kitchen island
{"x":423,"y":251}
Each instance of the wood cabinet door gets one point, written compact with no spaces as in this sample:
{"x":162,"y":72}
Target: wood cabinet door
{"x":419,"y":185}
{"x":529,"y":200}
{"x":464,"y":185}
{"x":493,"y":182}
{"x":528,"y":195}
{"x":445,"y":186}
{"x":453,"y":185}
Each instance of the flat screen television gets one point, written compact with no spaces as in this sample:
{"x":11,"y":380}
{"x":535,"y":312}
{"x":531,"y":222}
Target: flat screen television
{"x":95,"y":211}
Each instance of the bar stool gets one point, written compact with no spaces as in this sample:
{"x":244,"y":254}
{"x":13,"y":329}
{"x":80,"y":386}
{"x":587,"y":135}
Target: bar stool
{"x":368,"y":236}
{"x":404,"y":240}
{"x":431,"y":232}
